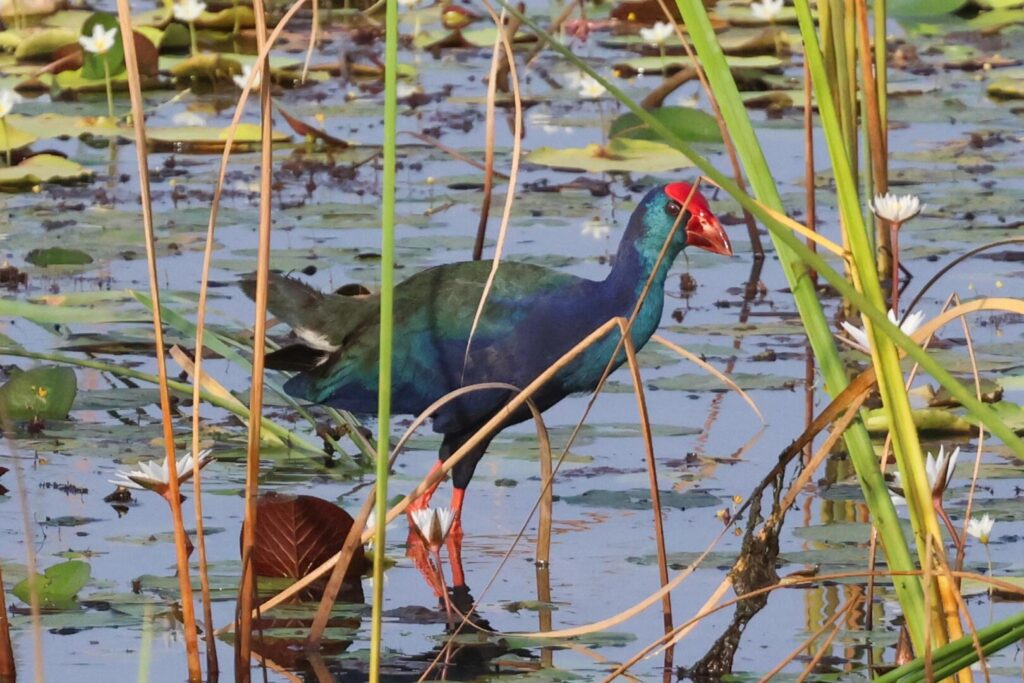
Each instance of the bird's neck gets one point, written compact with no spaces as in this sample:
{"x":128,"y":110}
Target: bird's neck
{"x":637,"y":259}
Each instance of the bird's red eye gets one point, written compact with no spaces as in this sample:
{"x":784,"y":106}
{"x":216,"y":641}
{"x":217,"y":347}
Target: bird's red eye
{"x":673,"y":208}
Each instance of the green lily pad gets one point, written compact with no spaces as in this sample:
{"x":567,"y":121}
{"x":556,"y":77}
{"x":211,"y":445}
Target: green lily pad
{"x":201,"y":139}
{"x":45,"y":392}
{"x":226,"y":18}
{"x":640,"y":499}
{"x":1006,"y":89}
{"x":42,"y":44}
{"x":94,"y":67}
{"x":620,"y":155}
{"x":50,"y":125}
{"x":925,"y":419}
{"x":58,"y":586}
{"x":58,"y":256}
{"x":42,"y":168}
{"x":207,"y":67}
{"x":907,"y":9}
{"x":689,"y":124}
{"x":672,"y":63}
{"x":12,"y":137}
{"x":74,"y":81}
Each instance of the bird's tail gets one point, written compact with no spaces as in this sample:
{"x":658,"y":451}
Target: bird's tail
{"x":308,"y":312}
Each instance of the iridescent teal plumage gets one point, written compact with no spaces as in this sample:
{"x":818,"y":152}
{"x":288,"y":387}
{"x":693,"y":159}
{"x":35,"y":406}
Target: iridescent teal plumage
{"x":532,"y":316}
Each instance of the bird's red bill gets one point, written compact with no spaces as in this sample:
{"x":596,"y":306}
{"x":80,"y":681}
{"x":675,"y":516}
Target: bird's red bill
{"x":703,"y":230}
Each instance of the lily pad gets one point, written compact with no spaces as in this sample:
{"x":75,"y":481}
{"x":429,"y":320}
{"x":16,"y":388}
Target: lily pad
{"x":42,"y":168}
{"x":94,"y":66}
{"x":619,"y":155}
{"x":42,"y":44}
{"x":640,"y":499}
{"x":58,"y":586}
{"x":689,"y":124}
{"x":671,"y":64}
{"x":58,"y":256}
{"x":1007,"y":89}
{"x":907,"y":9}
{"x":46,"y":392}
{"x":925,"y":419}
{"x":14,"y":138}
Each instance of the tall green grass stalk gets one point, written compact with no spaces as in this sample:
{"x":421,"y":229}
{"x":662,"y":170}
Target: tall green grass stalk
{"x":387,"y":285}
{"x":884,"y":355}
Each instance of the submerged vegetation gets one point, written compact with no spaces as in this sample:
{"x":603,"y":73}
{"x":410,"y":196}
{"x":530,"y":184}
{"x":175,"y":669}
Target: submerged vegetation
{"x":832,"y":417}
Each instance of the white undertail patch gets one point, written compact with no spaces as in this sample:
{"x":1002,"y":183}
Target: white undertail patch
{"x":316,"y":340}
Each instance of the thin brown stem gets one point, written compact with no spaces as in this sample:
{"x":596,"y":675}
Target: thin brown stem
{"x":139,"y":123}
{"x":247,"y":589}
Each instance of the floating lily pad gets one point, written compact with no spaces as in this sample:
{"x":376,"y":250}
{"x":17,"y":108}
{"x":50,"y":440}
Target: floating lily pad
{"x":40,"y":393}
{"x":58,"y":586}
{"x":94,"y":66}
{"x":58,"y":256}
{"x":227,"y":18}
{"x":206,"y":140}
{"x":42,"y":168}
{"x":42,"y":44}
{"x":1007,"y":89}
{"x":689,"y":124}
{"x":908,"y":9}
{"x":640,"y":499}
{"x":925,"y":419}
{"x":12,"y":138}
{"x":671,"y":64}
{"x":619,"y":155}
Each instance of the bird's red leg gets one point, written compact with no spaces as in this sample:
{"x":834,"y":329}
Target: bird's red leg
{"x":423,"y":502}
{"x":454,"y":541}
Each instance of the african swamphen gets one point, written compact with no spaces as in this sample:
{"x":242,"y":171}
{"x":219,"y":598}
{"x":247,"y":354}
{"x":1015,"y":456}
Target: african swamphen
{"x":532,"y":317}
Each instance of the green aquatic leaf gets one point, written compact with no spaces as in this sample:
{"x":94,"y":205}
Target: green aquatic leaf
{"x":42,"y":44}
{"x":673,"y":63}
{"x":94,"y":67}
{"x":45,"y":392}
{"x":926,"y":419}
{"x":1006,"y":88}
{"x":42,"y":168}
{"x":908,"y":9}
{"x":13,"y":138}
{"x":58,"y":586}
{"x":688,"y":123}
{"x":58,"y":256}
{"x":619,"y":155}
{"x":640,"y":499}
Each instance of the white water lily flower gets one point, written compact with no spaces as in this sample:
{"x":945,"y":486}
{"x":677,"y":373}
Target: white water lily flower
{"x":188,"y":10}
{"x":155,"y":477}
{"x":590,"y":88}
{"x":100,"y":41}
{"x":596,"y":228}
{"x":658,"y":34}
{"x":433,"y":524}
{"x":858,"y":337}
{"x":981,"y":529}
{"x":767,"y":9}
{"x":243,"y":78}
{"x":896,"y":209}
{"x":8,"y":98}
{"x":408,"y":4}
{"x":939,"y":469}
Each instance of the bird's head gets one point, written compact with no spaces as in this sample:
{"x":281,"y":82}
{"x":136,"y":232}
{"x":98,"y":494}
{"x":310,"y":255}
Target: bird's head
{"x":699,"y":225}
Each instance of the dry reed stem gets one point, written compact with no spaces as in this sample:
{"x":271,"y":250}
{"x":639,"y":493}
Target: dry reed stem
{"x":652,"y":474}
{"x":31,"y":565}
{"x":247,"y":587}
{"x":314,"y":38}
{"x":517,"y":143}
{"x":713,"y":371}
{"x":485,"y":205}
{"x":809,"y":641}
{"x":141,"y":149}
{"x":197,"y":381}
{"x":962,"y":545}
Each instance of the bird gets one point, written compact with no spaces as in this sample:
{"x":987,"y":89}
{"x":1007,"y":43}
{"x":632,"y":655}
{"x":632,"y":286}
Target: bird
{"x":532,"y":316}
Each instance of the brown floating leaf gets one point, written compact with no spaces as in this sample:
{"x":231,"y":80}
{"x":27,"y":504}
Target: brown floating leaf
{"x":297,"y":533}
